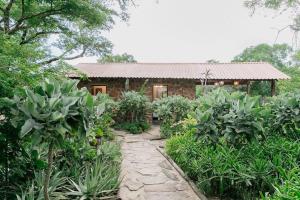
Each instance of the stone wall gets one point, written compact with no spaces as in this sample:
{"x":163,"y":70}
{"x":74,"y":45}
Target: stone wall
{"x":115,"y":86}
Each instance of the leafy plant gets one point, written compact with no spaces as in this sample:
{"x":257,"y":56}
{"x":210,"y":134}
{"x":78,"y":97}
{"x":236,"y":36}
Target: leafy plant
{"x":55,"y":188}
{"x":134,"y":106}
{"x":235,"y":118}
{"x":133,"y":110}
{"x":289,"y":189}
{"x":171,"y":110}
{"x":134,"y":128}
{"x":286,"y":115}
{"x":229,"y":172}
{"x":100,"y":178}
{"x":52,"y":112}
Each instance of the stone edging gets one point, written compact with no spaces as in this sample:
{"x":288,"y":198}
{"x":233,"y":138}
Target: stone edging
{"x":179,"y":170}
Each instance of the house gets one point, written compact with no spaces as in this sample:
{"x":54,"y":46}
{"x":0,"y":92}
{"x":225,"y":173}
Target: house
{"x":165,"y":79}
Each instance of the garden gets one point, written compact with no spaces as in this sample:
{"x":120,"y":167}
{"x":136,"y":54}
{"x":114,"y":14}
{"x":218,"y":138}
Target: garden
{"x":58,"y":142}
{"x":61,"y":145}
{"x":235,"y":146}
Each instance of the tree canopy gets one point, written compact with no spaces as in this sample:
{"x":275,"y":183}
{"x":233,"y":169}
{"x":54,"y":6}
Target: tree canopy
{"x":281,"y":56}
{"x":73,"y":28}
{"x":212,"y":61}
{"x":278,"y":55}
{"x":119,"y":58}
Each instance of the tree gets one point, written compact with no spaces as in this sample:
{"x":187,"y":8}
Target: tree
{"x":74,"y":26}
{"x":51,"y":113}
{"x":279,"y":55}
{"x":282,"y":6}
{"x":212,"y":61}
{"x":119,"y":58}
{"x":291,"y":85}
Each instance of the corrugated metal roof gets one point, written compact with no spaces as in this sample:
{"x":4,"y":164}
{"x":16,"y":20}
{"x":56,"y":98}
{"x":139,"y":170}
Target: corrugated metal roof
{"x":219,"y":71}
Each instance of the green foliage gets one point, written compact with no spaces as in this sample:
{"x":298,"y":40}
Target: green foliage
{"x":133,"y":110}
{"x":35,"y":191}
{"x":78,"y":29}
{"x":50,"y":113}
{"x":81,"y":173}
{"x":100,"y":178}
{"x":103,"y":123}
{"x":123,"y":58}
{"x":242,"y":147}
{"x":291,"y":85}
{"x":233,"y":118}
{"x":133,"y":127}
{"x":171,"y":110}
{"x":289,"y":189}
{"x":279,"y":55}
{"x":52,"y":110}
{"x":286,"y":115}
{"x":234,"y":173}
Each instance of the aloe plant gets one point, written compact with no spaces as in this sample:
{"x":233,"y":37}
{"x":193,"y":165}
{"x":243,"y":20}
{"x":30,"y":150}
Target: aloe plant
{"x":52,"y":112}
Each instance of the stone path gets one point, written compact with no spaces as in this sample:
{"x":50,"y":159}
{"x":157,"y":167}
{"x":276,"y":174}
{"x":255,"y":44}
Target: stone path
{"x":147,"y":174}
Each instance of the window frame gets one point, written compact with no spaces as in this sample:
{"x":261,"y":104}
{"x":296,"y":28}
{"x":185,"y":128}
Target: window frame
{"x":165,"y":85}
{"x":98,"y":85}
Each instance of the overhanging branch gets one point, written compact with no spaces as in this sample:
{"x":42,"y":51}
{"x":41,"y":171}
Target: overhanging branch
{"x":27,"y":40}
{"x":61,"y":57}
{"x":18,"y":25}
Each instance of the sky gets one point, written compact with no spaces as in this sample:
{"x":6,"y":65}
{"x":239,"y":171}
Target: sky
{"x":193,"y":31}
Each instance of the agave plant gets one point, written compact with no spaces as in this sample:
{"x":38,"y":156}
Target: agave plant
{"x":52,"y":112}
{"x":99,"y":180}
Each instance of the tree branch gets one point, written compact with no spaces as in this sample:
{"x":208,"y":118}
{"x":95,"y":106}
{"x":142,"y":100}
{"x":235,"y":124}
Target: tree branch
{"x":25,"y":41}
{"x":46,"y":13}
{"x":6,"y":13}
{"x":61,"y":57}
{"x":22,"y":8}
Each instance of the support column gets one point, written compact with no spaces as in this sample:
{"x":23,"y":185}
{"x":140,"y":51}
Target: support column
{"x":273,"y":87}
{"x":248,"y":87}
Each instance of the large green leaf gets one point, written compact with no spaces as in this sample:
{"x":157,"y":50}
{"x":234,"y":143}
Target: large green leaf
{"x":55,"y":116}
{"x":27,"y":127}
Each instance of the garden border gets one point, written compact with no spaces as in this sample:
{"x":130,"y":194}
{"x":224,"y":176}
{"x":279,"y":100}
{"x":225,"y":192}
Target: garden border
{"x":179,"y":170}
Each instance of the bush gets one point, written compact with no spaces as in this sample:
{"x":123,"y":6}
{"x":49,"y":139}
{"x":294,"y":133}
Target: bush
{"x":241,"y":147}
{"x":96,"y":175}
{"x":55,"y":118}
{"x":286,"y":115}
{"x":228,"y":172}
{"x":171,"y":110}
{"x":134,"y":128}
{"x":289,"y":189}
{"x":104,"y":122}
{"x":235,"y":118}
{"x":133,"y":109}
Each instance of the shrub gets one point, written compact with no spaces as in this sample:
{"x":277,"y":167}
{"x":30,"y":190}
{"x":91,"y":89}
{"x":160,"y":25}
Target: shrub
{"x":133,"y":109}
{"x":286,"y":115}
{"x":234,"y":118}
{"x":102,"y":127}
{"x":171,"y":110}
{"x":228,"y":172}
{"x":52,"y":112}
{"x":99,"y":178}
{"x":134,"y":128}
{"x":289,"y":189}
{"x":134,"y":106}
{"x":241,"y":147}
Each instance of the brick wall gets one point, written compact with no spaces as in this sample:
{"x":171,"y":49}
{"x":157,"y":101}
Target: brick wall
{"x":115,"y":86}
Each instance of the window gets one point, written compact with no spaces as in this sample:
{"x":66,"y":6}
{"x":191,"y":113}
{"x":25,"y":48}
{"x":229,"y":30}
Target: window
{"x":98,"y":88}
{"x":160,"y":91}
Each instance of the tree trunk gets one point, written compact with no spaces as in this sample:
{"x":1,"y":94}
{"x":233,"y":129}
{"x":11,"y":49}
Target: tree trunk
{"x":48,"y":171}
